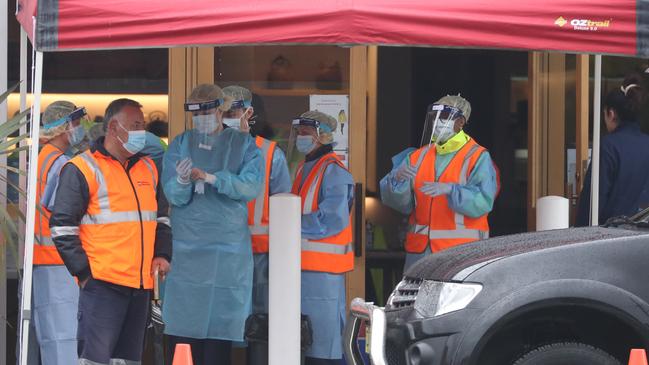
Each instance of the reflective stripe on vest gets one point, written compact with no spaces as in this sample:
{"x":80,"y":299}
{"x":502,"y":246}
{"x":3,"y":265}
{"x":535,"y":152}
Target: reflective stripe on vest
{"x":46,"y":241}
{"x":119,"y":227}
{"x":324,"y":247}
{"x":258,"y":208}
{"x":445,"y":237}
{"x":65,"y":231}
{"x":330,"y":254}
{"x":461,"y":230}
{"x":449,"y":233}
{"x":44,"y":250}
{"x":107,"y":216}
{"x":310,"y":198}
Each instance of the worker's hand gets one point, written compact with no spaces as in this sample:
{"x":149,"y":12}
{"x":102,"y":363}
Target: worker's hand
{"x":183,"y":169}
{"x":197,"y":174}
{"x":161,"y":265}
{"x":245,"y":120}
{"x":436,"y":188}
{"x":406,"y":172}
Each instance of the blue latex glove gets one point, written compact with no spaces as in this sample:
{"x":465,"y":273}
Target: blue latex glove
{"x":406,"y":172}
{"x":184,"y":169}
{"x":436,"y":188}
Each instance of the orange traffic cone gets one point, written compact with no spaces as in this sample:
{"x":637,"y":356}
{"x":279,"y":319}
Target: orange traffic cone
{"x":183,"y":355}
{"x":638,"y":357}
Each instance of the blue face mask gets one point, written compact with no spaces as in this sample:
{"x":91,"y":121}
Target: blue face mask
{"x":305,"y":144}
{"x":75,"y":135}
{"x":136,"y":140}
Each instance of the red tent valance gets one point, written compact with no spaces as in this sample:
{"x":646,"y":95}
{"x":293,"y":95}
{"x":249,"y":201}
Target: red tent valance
{"x":593,"y":26}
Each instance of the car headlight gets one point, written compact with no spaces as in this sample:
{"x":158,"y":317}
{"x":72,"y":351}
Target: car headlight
{"x":436,"y":298}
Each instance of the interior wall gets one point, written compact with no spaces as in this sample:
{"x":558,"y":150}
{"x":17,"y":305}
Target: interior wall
{"x":395,"y":119}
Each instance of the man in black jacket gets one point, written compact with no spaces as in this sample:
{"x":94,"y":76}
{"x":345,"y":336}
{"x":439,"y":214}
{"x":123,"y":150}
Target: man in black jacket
{"x":110,"y":226}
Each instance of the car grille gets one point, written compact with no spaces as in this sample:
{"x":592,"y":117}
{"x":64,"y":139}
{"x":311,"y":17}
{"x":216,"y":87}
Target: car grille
{"x":394,"y":355}
{"x":404,"y":294}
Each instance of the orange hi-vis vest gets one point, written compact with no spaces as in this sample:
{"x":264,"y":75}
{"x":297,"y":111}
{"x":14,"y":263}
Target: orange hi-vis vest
{"x":258,"y":208}
{"x":118,"y":230}
{"x":332,"y":254}
{"x":44,"y":250}
{"x":433,"y":221}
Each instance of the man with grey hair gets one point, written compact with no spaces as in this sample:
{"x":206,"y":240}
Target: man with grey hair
{"x":447,"y":186}
{"x":110,"y":226}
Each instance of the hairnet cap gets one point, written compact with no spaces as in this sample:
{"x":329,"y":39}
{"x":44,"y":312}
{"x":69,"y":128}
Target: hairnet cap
{"x":55,"y":111}
{"x":326,"y":137}
{"x":209,"y":92}
{"x":237,"y":92}
{"x":457,"y":101}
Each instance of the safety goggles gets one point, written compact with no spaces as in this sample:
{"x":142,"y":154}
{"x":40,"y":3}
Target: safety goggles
{"x":75,"y":115}
{"x":308,"y":122}
{"x":202,"y":106}
{"x":444,"y":111}
{"x":240,"y":104}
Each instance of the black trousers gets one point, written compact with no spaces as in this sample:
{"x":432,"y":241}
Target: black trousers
{"x":204,"y":351}
{"x":112,"y":321}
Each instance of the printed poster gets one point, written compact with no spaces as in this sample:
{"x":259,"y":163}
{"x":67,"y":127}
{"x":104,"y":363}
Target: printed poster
{"x":336,"y":106}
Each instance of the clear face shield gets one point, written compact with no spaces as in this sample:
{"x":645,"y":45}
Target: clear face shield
{"x":205,"y":120}
{"x":305,"y":133}
{"x":238,"y":115}
{"x":440,"y":123}
{"x":73,"y":118}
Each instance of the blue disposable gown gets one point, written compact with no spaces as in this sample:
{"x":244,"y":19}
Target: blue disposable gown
{"x":474,"y":199}
{"x":323,"y":294}
{"x":280,"y":182}
{"x":155,"y":148}
{"x":208,"y":290}
{"x":56,"y":295}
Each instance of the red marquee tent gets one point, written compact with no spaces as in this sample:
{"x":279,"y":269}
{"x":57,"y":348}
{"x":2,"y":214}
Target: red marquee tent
{"x":591,"y":26}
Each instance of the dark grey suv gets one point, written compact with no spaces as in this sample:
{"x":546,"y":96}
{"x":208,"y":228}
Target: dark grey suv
{"x":575,"y":297}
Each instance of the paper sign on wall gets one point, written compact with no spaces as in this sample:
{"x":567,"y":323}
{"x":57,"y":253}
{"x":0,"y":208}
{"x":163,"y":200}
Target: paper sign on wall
{"x":337,"y":106}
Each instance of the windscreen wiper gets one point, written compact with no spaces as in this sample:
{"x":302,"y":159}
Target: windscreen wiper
{"x":624,"y":220}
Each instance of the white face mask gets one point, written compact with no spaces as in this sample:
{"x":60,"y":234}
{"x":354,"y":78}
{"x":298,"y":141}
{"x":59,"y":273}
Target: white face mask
{"x":443,"y":131}
{"x":234,"y":123}
{"x":206,"y":123}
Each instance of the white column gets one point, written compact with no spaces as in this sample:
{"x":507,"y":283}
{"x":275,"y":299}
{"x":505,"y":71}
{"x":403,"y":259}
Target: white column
{"x":25,"y":307}
{"x":552,"y":212}
{"x":4,"y":35}
{"x":284,"y":280}
{"x":594,"y":184}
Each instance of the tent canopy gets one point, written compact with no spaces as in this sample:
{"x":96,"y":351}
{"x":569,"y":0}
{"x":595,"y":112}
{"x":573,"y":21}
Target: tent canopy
{"x":590,"y":26}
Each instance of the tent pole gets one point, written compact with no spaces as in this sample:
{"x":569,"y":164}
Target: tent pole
{"x":22,"y":155}
{"x":23,"y":73}
{"x":25,"y":308}
{"x":594,"y":184}
{"x":4,"y":41}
